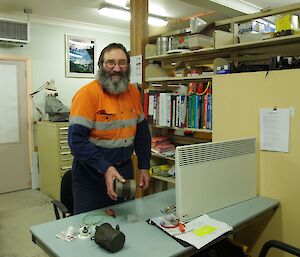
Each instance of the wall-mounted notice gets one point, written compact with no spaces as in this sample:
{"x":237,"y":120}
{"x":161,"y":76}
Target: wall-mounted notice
{"x":274,"y":129}
{"x":136,"y":69}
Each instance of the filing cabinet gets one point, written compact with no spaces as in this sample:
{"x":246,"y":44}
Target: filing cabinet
{"x":54,"y":155}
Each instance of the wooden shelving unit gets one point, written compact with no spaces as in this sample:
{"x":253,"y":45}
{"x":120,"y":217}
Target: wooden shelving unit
{"x":234,"y":52}
{"x":257,"y":49}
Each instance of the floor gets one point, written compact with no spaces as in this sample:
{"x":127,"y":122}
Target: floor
{"x":18,"y":212}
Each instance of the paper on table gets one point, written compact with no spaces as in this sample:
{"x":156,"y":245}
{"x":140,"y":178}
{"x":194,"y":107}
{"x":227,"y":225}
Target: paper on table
{"x":166,"y":220}
{"x":199,"y":231}
{"x":203,"y":230}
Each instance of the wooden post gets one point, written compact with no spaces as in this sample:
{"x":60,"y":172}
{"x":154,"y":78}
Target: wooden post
{"x":138,"y":41}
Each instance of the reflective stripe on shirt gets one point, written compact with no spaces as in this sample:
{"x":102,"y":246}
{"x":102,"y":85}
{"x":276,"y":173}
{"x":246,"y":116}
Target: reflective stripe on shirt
{"x":112,"y":143}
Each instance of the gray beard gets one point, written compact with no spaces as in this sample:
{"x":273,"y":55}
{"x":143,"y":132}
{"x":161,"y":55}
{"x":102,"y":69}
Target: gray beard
{"x":110,"y":86}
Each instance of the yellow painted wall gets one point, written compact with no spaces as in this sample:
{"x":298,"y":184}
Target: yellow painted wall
{"x":237,"y":99}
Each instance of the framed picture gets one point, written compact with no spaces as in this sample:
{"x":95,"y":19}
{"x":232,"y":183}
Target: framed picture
{"x":80,"y":56}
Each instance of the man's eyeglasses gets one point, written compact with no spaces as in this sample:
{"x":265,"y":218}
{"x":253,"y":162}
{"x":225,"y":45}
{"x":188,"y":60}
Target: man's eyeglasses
{"x":112,"y":63}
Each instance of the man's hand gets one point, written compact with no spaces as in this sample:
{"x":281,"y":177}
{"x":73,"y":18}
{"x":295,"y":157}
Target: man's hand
{"x":110,"y":175}
{"x":144,"y":179}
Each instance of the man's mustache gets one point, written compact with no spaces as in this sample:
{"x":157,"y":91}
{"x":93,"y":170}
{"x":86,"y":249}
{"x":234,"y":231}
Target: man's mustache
{"x":117,"y":74}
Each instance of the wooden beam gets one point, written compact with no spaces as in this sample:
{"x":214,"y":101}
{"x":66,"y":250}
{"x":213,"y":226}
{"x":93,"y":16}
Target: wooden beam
{"x":138,"y":40}
{"x":138,"y":26}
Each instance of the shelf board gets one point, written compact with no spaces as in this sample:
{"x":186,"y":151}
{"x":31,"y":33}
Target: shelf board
{"x":276,"y":41}
{"x":190,"y":78}
{"x":284,"y":45}
{"x":167,"y":179}
{"x":188,"y":129}
{"x":249,"y":17}
{"x":205,"y":52}
{"x":161,"y":155}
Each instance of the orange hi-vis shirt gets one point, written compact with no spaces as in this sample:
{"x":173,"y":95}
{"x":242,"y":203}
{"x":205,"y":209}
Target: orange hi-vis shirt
{"x":111,"y":118}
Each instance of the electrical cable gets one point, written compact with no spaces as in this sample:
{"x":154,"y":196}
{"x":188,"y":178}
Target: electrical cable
{"x":93,"y":219}
{"x":207,"y":87}
{"x":40,"y":88}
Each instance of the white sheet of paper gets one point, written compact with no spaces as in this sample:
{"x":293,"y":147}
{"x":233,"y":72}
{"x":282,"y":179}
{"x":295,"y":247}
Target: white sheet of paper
{"x":202,"y":230}
{"x":274,"y":129}
{"x":198,"y":232}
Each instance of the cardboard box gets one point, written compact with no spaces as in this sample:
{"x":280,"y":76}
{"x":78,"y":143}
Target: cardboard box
{"x":222,"y":38}
{"x":154,"y":70}
{"x":181,"y":41}
{"x":150,"y":50}
{"x":197,"y":41}
{"x":249,"y":37}
{"x":287,"y":22}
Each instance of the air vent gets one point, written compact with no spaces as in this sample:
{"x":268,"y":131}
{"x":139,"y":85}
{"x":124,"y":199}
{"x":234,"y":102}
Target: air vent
{"x":213,"y":151}
{"x":13,"y":31}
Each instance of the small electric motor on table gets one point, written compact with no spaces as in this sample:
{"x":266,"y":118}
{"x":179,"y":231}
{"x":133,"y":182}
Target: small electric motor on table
{"x":109,"y":238}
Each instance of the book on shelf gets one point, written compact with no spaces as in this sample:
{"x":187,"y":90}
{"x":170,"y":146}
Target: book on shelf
{"x":209,"y":112}
{"x":191,"y":109}
{"x":174,"y":106}
{"x":161,"y":144}
{"x":159,"y":140}
{"x":146,"y":104}
{"x":204,"y":111}
{"x":150,"y":108}
{"x":163,"y":148}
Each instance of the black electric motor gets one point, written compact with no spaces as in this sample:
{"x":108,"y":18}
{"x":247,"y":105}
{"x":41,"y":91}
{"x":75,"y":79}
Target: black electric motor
{"x":109,"y":238}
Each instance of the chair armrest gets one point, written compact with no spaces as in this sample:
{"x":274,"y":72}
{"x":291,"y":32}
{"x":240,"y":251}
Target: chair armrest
{"x":280,"y":245}
{"x":57,"y":205}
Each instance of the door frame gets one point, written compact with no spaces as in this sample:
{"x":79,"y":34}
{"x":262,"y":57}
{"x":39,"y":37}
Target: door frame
{"x":28,"y":80}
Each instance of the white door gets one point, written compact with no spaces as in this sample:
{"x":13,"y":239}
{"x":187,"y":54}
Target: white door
{"x":14,"y":145}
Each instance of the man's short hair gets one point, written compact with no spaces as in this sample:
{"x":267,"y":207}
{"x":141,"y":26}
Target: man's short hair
{"x":109,"y":48}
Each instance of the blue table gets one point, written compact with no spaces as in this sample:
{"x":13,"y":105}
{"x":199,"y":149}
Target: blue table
{"x":142,"y":239}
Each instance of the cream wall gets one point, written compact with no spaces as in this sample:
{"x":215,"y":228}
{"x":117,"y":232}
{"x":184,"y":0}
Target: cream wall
{"x":46,"y":50}
{"x":237,"y":99}
{"x":45,"y":59}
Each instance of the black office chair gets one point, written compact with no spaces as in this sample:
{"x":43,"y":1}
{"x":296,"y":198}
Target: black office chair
{"x":279,"y":245}
{"x":225,"y":248}
{"x":64,"y":207}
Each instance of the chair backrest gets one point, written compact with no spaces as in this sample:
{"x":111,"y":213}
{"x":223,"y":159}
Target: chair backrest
{"x":64,"y":207}
{"x":66,"y":193}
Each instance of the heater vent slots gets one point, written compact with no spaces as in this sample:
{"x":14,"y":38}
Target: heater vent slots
{"x":197,"y":153}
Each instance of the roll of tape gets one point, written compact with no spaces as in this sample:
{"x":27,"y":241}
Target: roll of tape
{"x":126,"y":189}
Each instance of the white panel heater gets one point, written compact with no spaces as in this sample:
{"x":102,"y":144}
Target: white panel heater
{"x":214,"y":175}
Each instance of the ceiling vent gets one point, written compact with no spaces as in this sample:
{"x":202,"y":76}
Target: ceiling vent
{"x":14,"y":32}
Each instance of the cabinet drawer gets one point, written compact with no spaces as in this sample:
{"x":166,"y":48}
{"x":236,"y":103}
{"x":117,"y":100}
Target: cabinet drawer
{"x":64,"y":158}
{"x":64,"y":145}
{"x":65,"y":155}
{"x":63,"y":131}
{"x":65,"y":166}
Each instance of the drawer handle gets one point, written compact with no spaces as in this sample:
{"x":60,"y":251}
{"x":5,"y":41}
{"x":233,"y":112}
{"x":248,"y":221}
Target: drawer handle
{"x":65,"y":153}
{"x":63,"y":128}
{"x":66,"y":168}
{"x":67,"y":159}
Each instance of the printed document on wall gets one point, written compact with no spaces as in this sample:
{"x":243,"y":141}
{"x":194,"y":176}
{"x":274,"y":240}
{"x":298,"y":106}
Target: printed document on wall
{"x":136,"y":69}
{"x":274,"y":129}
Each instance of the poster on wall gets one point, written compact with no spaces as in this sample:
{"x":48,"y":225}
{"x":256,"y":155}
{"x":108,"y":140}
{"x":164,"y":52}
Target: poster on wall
{"x":80,"y":56}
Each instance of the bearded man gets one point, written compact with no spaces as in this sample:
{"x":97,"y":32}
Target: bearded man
{"x":107,"y":125}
